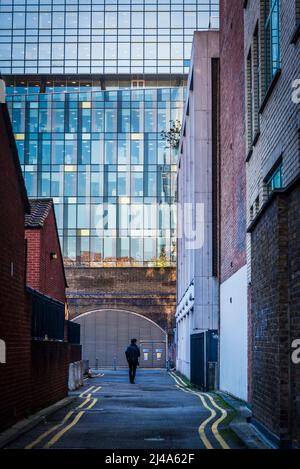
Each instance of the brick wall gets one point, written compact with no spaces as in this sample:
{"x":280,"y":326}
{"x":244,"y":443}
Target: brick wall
{"x":232,"y":143}
{"x":33,"y":270}
{"x":275,"y":316}
{"x":14,"y":319}
{"x":49,"y":376}
{"x":278,"y":122}
{"x":149,"y":292}
{"x":43,"y":273}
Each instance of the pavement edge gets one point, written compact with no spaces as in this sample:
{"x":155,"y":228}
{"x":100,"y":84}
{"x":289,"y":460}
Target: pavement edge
{"x":25,"y":425}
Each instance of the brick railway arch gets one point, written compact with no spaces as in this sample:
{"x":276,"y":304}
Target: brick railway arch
{"x":106,"y":333}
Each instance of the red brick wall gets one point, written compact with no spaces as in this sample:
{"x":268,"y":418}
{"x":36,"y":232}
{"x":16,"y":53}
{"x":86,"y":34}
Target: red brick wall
{"x":49,"y":376}
{"x":275,"y":316}
{"x":232,"y":139}
{"x":14,"y":319}
{"x":44,"y":274}
{"x":33,"y":273}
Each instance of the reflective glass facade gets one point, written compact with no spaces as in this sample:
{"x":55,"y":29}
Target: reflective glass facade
{"x":101,"y":157}
{"x":101,"y":36}
{"x":91,"y":84}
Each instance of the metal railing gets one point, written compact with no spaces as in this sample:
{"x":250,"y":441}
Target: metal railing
{"x":73,"y":332}
{"x":48,"y":317}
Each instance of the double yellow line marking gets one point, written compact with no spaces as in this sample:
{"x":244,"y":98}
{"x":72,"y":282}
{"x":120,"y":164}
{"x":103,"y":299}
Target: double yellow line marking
{"x":202,"y":428}
{"x":91,"y":401}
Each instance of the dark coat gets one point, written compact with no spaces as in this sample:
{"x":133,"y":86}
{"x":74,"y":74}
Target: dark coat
{"x":132,"y":354}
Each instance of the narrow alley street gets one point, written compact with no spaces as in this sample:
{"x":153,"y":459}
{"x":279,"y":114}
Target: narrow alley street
{"x":158,"y":412}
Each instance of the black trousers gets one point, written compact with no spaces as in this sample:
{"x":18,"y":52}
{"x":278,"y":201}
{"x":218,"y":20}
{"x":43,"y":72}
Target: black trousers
{"x":132,"y":371}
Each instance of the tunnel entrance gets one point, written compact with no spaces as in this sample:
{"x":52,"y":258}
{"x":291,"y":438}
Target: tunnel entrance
{"x":106,"y":333}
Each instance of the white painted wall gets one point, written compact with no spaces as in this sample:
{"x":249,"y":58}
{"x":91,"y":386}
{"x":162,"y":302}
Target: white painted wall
{"x":234,"y":335}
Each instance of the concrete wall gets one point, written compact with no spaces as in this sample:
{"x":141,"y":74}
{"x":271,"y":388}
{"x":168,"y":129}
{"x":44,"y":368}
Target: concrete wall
{"x":197,"y":287}
{"x":234,"y":335}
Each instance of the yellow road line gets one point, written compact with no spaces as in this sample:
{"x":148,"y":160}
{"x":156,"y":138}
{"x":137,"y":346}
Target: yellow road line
{"x":87,"y":390}
{"x":62,"y":432}
{"x":181,"y":385}
{"x":97,"y":389}
{"x":84,"y":402}
{"x":202,"y":428}
{"x":215,"y":425}
{"x":65,"y":419}
{"x":45,"y":434}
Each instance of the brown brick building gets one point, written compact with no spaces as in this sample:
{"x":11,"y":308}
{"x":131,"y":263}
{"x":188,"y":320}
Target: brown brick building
{"x":15,"y":319}
{"x":232,"y":224}
{"x":45,"y":271}
{"x":273,"y":214}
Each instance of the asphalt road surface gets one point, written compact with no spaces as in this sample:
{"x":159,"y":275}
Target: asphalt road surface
{"x":158,"y":412}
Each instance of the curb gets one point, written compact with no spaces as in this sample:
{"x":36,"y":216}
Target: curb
{"x":241,"y":425}
{"x":25,"y":425}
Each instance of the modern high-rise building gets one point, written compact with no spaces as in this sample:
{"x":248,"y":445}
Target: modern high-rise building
{"x":91,"y":84}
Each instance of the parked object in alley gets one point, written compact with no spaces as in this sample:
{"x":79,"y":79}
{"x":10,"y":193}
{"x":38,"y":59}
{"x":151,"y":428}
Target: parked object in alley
{"x":132,"y":355}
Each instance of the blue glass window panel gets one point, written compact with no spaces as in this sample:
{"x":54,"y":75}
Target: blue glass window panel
{"x":70,"y":212}
{"x":72,"y":120}
{"x":32,"y":152}
{"x":56,"y":187}
{"x":150,"y":185}
{"x":136,"y":120}
{"x":19,"y":20}
{"x":110,"y":184}
{"x":123,"y":152}
{"x":137,"y":248}
{"x":58,"y":152}
{"x":86,"y":120}
{"x":137,"y":181}
{"x":96,"y":184}
{"x":110,"y":120}
{"x":31,"y":183}
{"x":83,"y":216}
{"x":20,"y":147}
{"x":70,"y":184}
{"x":85,"y":152}
{"x":45,"y":185}
{"x":97,"y":152}
{"x":46,"y":152}
{"x":97,"y":120}
{"x":109,"y":248}
{"x":124,"y":120}
{"x":149,"y":249}
{"x":83,"y":184}
{"x":123,"y":184}
{"x":110,"y":152}
{"x":71,"y":152}
{"x":58,"y":118}
{"x":150,"y":152}
{"x":32,"y":120}
{"x":137,"y":153}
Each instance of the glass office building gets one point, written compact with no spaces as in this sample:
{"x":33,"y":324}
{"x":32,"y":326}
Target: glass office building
{"x":91,"y":84}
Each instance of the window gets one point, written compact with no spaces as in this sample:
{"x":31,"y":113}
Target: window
{"x":253,"y":91}
{"x":138,"y":84}
{"x":272,"y":40}
{"x":275,"y":180}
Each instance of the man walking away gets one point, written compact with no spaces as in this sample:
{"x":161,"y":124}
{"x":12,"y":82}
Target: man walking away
{"x":132,"y":354}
